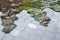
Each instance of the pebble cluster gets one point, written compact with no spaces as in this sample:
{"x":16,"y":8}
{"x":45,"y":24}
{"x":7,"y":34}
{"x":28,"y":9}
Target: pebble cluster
{"x":8,"y":8}
{"x":41,"y":17}
{"x":8,"y":21}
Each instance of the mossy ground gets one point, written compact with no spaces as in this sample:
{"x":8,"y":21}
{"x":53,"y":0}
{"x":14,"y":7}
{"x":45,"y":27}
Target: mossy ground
{"x":29,"y":5}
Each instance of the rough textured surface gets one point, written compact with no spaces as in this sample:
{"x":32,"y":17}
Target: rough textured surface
{"x":52,"y":32}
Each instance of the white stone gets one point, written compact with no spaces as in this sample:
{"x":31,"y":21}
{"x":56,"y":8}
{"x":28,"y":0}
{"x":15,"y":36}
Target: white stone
{"x":33,"y":26}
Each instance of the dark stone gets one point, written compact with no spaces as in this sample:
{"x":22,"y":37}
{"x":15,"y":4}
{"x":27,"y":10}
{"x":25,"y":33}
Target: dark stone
{"x":44,"y":24}
{"x":47,"y":19}
{"x":16,"y":18}
{"x":28,"y":12}
{"x":44,"y":13}
{"x":2,"y":17}
{"x":10,"y":13}
{"x":9,"y":28}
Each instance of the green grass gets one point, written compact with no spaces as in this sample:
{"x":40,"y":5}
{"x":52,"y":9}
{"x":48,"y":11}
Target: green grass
{"x":37,"y":17}
{"x":58,"y":2}
{"x":26,"y":6}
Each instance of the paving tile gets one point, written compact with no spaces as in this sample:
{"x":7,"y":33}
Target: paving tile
{"x":24,"y":23}
{"x":20,"y":27}
{"x":8,"y":37}
{"x":39,"y":32}
{"x":34,"y":37}
{"x":18,"y":38}
{"x":40,"y":27}
{"x":29,"y":30}
{"x":57,"y":39}
{"x":17,"y":22}
{"x":49,"y":15}
{"x":21,"y":36}
{"x":52,"y":24}
{"x":58,"y":25}
{"x":50,"y":29}
{"x":58,"y":30}
{"x":57,"y":35}
{"x":35,"y":22}
{"x":15,"y":32}
{"x":1,"y":34}
{"x":58,"y":15}
{"x":24,"y":35}
{"x":49,"y":34}
{"x":46,"y":38}
{"x":20,"y":20}
{"x":27,"y":21}
{"x":25,"y":16}
{"x":31,"y":18}
{"x":32,"y":31}
{"x":55,"y":17}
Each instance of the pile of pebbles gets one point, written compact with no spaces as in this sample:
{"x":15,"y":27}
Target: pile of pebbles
{"x":8,"y":19}
{"x":43,"y":19}
{"x":9,"y":10}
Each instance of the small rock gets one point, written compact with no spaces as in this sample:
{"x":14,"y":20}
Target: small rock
{"x":44,"y":21}
{"x":14,"y":17}
{"x":11,"y":0}
{"x":9,"y":28}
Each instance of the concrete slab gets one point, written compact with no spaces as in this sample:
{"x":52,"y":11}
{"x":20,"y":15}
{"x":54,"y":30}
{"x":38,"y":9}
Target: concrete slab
{"x":35,"y":31}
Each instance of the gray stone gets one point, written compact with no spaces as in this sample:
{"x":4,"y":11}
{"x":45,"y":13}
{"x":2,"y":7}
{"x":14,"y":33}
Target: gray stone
{"x":8,"y":29}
